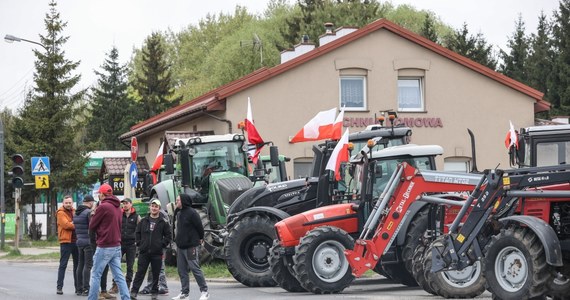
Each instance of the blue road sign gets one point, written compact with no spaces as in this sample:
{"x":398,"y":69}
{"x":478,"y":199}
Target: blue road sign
{"x":133,"y":174}
{"x":40,"y":166}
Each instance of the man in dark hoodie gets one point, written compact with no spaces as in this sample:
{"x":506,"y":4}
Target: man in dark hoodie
{"x":189,"y":235}
{"x":153,"y":235}
{"x":81,"y":222}
{"x":106,"y":222}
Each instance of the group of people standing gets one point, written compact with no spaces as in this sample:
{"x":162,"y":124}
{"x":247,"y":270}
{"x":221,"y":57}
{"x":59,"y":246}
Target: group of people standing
{"x":97,"y":236}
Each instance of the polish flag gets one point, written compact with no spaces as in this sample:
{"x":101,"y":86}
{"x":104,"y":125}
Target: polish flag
{"x":511,"y":138}
{"x":157,"y":163}
{"x":320,"y":127}
{"x":339,"y":155}
{"x":253,"y":136}
{"x":337,"y":125}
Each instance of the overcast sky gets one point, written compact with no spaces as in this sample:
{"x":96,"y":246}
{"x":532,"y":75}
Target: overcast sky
{"x":94,"y":26}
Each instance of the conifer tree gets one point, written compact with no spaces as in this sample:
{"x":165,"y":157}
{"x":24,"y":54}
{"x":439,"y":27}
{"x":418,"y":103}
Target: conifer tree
{"x":514,"y":62}
{"x":560,"y":80}
{"x":473,"y":47}
{"x":111,"y":108}
{"x":428,"y":29}
{"x":539,"y":63}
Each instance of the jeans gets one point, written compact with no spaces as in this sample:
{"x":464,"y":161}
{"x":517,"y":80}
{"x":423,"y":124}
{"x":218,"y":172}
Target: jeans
{"x":187,"y":260}
{"x":84,"y":268}
{"x":65,"y":250}
{"x":130,"y":251}
{"x":155,"y":260}
{"x":112,"y":257}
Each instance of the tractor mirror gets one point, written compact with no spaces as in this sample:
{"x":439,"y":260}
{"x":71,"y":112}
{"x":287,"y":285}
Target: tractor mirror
{"x":378,"y":171}
{"x":168,"y":164}
{"x":274,"y":156}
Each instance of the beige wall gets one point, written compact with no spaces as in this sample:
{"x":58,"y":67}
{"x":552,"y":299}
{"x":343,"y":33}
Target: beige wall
{"x":460,"y":97}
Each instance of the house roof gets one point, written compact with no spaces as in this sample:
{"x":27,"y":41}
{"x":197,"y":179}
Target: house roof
{"x":221,"y":93}
{"x":116,"y":165}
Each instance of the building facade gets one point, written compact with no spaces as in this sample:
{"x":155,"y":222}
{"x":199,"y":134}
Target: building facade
{"x":379,"y":67}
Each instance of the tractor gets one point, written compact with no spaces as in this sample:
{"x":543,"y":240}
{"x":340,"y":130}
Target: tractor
{"x":309,"y":253}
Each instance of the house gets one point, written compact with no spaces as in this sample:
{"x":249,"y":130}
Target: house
{"x":379,"y":67}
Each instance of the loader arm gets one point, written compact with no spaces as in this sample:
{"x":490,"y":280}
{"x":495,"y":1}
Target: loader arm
{"x":405,"y":186}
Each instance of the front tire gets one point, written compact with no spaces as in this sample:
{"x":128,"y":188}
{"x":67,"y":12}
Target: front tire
{"x":320,"y":264}
{"x":282,"y":272}
{"x":515,"y":265}
{"x":246,"y":250}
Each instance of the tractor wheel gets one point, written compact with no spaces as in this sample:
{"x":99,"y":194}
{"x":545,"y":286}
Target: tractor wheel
{"x":418,"y":269}
{"x":559,"y":288}
{"x":466,"y":283}
{"x":205,"y":256}
{"x":320,"y":264}
{"x":379,"y":270}
{"x":515,"y":265}
{"x":402,"y":271}
{"x":282,"y":272}
{"x":246,"y":250}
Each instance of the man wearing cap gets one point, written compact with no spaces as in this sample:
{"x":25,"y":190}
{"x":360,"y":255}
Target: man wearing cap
{"x":152,"y":235}
{"x":128,"y":246}
{"x":106,"y":222}
{"x":67,"y":242}
{"x":81,"y":222}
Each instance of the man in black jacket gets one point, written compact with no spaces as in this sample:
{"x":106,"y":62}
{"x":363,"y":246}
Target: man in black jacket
{"x":189,"y":235}
{"x":152,"y":236}
{"x":81,"y":222}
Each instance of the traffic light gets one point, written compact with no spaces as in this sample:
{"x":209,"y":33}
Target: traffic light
{"x":17,"y":170}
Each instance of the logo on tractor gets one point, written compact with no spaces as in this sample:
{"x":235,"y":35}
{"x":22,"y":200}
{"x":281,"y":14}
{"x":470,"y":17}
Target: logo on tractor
{"x":405,"y":198}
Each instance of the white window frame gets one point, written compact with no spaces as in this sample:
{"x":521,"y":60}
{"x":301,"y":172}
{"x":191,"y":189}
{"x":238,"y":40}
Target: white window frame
{"x":364,"y":96}
{"x":420,"y":81}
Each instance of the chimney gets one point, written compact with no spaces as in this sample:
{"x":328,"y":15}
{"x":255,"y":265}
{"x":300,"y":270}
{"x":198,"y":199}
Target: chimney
{"x":305,"y":39}
{"x":329,"y":27}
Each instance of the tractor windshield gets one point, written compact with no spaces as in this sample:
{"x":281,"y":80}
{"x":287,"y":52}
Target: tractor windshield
{"x":218,"y":157}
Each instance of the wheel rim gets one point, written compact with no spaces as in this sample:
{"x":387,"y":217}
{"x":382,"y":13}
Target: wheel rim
{"x":511,"y":269}
{"x":256,"y":251}
{"x":329,"y":262}
{"x":463,"y":278}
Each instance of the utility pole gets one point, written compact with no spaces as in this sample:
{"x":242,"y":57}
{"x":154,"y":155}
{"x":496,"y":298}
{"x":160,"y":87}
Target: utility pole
{"x":2,"y":200}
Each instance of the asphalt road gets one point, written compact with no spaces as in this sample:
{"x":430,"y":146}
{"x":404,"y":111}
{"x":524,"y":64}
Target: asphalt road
{"x":37,"y":280}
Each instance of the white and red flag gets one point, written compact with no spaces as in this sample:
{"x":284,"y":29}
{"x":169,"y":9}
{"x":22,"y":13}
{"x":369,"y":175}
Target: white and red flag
{"x":253,"y":136}
{"x":157,"y":163}
{"x":339,"y":155}
{"x":322,"y":126}
{"x":512,"y":137}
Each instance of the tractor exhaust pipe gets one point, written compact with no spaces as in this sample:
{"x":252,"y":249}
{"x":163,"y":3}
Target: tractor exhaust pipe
{"x":473,"y":155}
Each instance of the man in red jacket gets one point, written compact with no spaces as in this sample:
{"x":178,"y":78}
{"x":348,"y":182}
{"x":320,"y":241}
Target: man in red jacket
{"x":106,"y":223}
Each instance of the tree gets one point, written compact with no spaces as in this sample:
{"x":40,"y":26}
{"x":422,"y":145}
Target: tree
{"x":539,"y":63}
{"x":154,"y":83}
{"x":560,"y":80}
{"x":47,"y":122}
{"x":473,"y":47}
{"x":111,"y":108}
{"x":428,"y":29}
{"x":515,"y":62}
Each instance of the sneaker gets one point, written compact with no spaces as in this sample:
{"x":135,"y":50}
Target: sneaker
{"x":144,"y":292}
{"x":163,"y":292}
{"x":105,"y":295}
{"x":133,"y":296}
{"x":85,"y":293}
{"x":204,"y":296}
{"x":114,"y":289}
{"x":181,"y":297}
{"x":59,"y":292}
{"x":78,"y":292}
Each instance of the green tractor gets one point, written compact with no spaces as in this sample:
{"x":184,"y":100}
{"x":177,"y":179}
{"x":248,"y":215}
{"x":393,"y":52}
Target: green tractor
{"x":215,"y":169}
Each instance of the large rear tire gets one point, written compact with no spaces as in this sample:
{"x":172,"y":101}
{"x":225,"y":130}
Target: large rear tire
{"x":246,"y":250}
{"x":282,"y":271}
{"x":515,"y":265}
{"x":320,"y":264}
{"x":559,"y":288}
{"x":205,"y":256}
{"x":418,"y":269}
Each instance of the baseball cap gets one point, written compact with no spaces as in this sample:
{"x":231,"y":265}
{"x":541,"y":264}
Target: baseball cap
{"x":155,"y":201}
{"x":127,"y":200}
{"x":106,"y":189}
{"x":88,"y":198}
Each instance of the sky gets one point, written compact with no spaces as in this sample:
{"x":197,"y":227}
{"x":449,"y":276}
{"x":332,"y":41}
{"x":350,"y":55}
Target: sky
{"x":95,"y":26}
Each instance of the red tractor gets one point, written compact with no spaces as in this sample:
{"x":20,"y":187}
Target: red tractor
{"x":327,"y":231}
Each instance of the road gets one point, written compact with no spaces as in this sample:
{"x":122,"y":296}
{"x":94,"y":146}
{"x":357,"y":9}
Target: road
{"x":36,"y":280}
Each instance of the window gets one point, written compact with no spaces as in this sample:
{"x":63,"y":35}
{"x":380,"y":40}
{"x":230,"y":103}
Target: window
{"x":353,"y":92}
{"x":410,"y":94}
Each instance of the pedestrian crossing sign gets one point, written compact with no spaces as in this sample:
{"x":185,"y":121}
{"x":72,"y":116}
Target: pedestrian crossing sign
{"x":40,"y":166}
{"x":42,"y":182}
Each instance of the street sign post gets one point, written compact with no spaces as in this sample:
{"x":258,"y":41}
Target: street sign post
{"x":134,"y":148}
{"x":133,"y":174}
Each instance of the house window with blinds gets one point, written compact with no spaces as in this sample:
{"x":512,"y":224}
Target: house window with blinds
{"x":353,"y":92}
{"x":410,"y":94}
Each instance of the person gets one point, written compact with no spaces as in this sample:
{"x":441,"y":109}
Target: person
{"x":162,"y":284}
{"x":103,"y":295}
{"x":67,"y":243}
{"x":189,"y":235}
{"x":128,"y":246}
{"x":85,"y":259}
{"x":152,"y":236}
{"x":106,"y":223}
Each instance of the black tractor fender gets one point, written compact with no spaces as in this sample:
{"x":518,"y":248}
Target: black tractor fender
{"x":271,"y":211}
{"x":413,"y":210}
{"x":546,"y":235}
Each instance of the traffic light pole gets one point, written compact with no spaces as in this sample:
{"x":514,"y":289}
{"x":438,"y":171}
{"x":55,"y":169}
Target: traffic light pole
{"x":18,"y":195}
